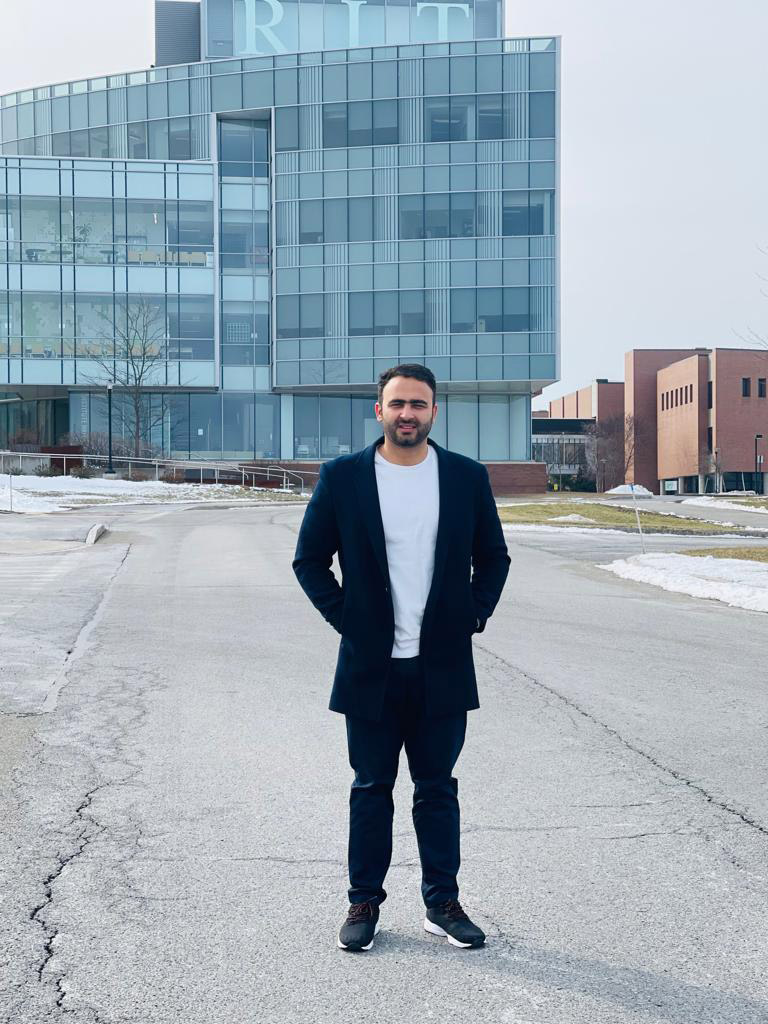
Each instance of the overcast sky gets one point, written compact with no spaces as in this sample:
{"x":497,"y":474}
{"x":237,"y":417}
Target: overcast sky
{"x":664,"y":156}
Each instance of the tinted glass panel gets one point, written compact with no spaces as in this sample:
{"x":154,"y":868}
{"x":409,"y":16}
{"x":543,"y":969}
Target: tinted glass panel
{"x":462,"y":309}
{"x":515,"y":213}
{"x":335,"y":124}
{"x":541,"y":115}
{"x":360,"y":124}
{"x":287,"y":128}
{"x":360,"y":219}
{"x":335,"y":226}
{"x":360,"y":313}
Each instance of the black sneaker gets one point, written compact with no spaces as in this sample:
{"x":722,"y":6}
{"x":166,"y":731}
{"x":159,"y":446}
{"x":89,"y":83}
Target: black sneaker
{"x":358,"y":930}
{"x":450,"y":921}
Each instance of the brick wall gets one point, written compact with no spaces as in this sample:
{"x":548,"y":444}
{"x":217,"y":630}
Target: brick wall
{"x":737,"y":419}
{"x":681,"y":410}
{"x":640,"y":369}
{"x":608,"y":402}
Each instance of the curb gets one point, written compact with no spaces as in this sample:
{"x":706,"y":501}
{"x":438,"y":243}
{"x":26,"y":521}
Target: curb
{"x":96,"y":531}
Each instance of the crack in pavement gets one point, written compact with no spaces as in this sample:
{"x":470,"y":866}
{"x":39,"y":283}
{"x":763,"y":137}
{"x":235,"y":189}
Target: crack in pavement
{"x":51,"y":932}
{"x":678,"y":776}
{"x":87,"y":828}
{"x":81,"y":641}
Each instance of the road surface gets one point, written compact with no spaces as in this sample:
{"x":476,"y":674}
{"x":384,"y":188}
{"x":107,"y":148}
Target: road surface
{"x":174,"y":793}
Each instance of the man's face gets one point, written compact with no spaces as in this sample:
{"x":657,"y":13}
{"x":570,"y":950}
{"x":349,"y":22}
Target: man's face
{"x":406,"y":411}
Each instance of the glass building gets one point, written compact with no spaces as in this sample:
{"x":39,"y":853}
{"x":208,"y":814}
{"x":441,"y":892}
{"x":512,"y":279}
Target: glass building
{"x":334,"y":188}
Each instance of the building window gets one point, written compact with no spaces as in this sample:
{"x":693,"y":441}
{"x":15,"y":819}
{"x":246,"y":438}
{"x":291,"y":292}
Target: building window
{"x":761,"y":387}
{"x":709,"y":440}
{"x":709,"y":394}
{"x":746,"y":388}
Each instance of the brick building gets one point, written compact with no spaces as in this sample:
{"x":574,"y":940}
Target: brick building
{"x":696,"y":420}
{"x":712,"y":422}
{"x":601,"y":400}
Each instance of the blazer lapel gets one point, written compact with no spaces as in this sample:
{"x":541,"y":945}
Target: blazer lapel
{"x":368,"y":496}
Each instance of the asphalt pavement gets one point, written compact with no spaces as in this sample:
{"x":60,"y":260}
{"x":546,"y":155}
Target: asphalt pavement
{"x":174,"y":797}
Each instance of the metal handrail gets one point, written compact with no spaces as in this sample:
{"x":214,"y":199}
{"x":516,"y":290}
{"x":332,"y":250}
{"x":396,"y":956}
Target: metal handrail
{"x":285,"y":473}
{"x":290,"y":480}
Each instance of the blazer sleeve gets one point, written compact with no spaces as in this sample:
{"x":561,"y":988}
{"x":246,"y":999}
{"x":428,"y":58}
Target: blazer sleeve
{"x":317,"y":544}
{"x":490,"y":560}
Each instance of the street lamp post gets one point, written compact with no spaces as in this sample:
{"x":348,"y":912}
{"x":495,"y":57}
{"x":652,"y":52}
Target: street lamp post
{"x":110,"y":467}
{"x":758,"y":488}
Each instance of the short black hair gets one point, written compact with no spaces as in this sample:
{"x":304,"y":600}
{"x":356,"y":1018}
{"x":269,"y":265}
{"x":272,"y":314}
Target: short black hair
{"x":414,"y":370}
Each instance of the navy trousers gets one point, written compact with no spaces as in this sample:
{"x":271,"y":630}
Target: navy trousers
{"x":432,"y":746}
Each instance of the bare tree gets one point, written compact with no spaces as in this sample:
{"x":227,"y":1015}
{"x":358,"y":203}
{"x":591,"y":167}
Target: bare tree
{"x":711,"y":464}
{"x":131,"y":351}
{"x":97,"y":443}
{"x":611,"y":448}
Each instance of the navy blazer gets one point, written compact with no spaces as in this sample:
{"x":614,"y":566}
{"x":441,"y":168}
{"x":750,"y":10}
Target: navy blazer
{"x":471,"y":565}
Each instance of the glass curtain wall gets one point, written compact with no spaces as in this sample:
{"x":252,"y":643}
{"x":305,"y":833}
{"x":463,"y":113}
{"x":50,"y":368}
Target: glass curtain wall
{"x":480,"y":426}
{"x":245,"y":249}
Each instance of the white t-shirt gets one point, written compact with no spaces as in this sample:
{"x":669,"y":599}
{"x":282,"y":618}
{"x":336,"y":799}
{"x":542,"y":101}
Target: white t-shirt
{"x":409,"y":498}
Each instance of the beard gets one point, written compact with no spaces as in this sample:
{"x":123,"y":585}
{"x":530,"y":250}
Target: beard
{"x":407,"y":440}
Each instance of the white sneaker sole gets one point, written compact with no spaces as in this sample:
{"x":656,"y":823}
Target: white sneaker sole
{"x":363,"y":949}
{"x":435,"y":929}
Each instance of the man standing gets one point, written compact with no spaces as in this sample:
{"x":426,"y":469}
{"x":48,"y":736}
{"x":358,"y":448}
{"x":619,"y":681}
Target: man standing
{"x":423,"y":564}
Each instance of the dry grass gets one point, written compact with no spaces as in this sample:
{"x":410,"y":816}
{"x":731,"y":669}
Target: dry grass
{"x":756,"y":502}
{"x":744,"y":554}
{"x":603,"y":516}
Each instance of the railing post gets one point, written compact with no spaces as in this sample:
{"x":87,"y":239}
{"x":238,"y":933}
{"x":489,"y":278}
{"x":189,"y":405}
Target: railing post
{"x":157,"y":470}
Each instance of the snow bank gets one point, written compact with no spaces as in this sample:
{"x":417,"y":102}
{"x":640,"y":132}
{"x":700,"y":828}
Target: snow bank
{"x":51,"y":494}
{"x":572,"y":517}
{"x":719,"y":503}
{"x":594,"y":531}
{"x":738,"y":583}
{"x":637,"y":489}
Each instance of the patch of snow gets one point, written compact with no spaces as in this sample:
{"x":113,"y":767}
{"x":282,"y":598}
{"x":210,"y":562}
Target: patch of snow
{"x":33,"y":494}
{"x":719,"y":503}
{"x":597,"y":531}
{"x":676,"y":515}
{"x":573,"y":517}
{"x":637,"y":489}
{"x":737,"y":583}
